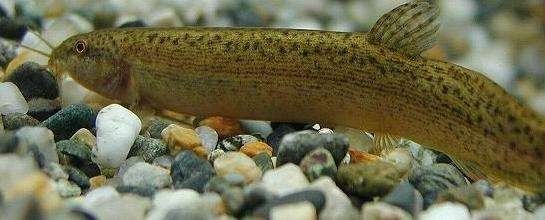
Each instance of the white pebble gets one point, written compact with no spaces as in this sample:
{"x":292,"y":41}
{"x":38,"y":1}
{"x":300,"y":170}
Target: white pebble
{"x":117,"y":128}
{"x":236,"y":162}
{"x":301,"y":210}
{"x":72,"y":92}
{"x":99,"y":196}
{"x":41,"y":137}
{"x":146,"y":175}
{"x":209,"y":137}
{"x":127,"y":206}
{"x":167,"y":200}
{"x":11,"y":99}
{"x":335,"y":197}
{"x":380,"y":210}
{"x":285,"y":179}
{"x":446,"y":211}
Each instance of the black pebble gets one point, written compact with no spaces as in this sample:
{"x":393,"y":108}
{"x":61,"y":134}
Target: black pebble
{"x":7,"y":53}
{"x":148,"y":148}
{"x":138,"y":190}
{"x":190,"y":171}
{"x":13,"y":29}
{"x":155,"y":128}
{"x":274,"y":138}
{"x":317,"y":198}
{"x":434,"y":179}
{"x":136,"y":23}
{"x":8,"y":143}
{"x":69,"y":120}
{"x":42,"y":109}
{"x":34,"y":81}
{"x":300,"y":144}
{"x":3,"y":12}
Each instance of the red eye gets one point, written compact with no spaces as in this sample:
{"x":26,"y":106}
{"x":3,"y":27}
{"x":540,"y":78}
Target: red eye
{"x":81,"y":46}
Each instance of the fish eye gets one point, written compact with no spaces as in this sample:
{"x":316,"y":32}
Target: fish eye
{"x":80,"y":46}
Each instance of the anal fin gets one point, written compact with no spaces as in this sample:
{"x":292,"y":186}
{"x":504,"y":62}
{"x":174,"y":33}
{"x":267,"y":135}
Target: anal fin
{"x":409,"y":29}
{"x":384,"y":143}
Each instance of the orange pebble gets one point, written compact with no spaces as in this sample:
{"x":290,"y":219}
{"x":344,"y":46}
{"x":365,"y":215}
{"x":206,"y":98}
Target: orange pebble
{"x":361,"y":156}
{"x":226,"y":127}
{"x":254,"y":148}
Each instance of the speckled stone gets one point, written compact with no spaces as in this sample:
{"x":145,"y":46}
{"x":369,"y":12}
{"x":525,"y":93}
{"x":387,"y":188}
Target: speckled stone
{"x":236,"y":162}
{"x":86,"y":137}
{"x":41,"y":109}
{"x":66,"y":188}
{"x":236,"y":142}
{"x":263,"y":161}
{"x":296,"y":145}
{"x":226,"y":127}
{"x":179,"y":138}
{"x":77,"y":176}
{"x":368,"y":180}
{"x":146,"y":175}
{"x":155,"y":128}
{"x":69,"y":120}
{"x":317,"y":163}
{"x":34,"y":81}
{"x":14,"y":121}
{"x":148,"y":148}
{"x":432,"y":180}
{"x":254,"y":148}
{"x":190,"y":171}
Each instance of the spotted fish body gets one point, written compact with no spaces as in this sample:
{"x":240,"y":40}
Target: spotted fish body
{"x":371,"y":81}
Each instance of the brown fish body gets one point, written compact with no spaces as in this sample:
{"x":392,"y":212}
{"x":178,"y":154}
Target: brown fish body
{"x":316,"y":76}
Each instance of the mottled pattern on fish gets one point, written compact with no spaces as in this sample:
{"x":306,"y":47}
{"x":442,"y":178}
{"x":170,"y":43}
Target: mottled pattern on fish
{"x":376,"y":82}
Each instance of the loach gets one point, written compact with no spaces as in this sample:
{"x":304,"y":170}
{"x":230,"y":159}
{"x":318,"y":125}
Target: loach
{"x":373,"y":81}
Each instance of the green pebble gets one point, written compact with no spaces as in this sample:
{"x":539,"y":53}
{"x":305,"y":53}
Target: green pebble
{"x":368,"y":180}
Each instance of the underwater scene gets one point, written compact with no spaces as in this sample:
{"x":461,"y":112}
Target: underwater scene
{"x":272,"y":109}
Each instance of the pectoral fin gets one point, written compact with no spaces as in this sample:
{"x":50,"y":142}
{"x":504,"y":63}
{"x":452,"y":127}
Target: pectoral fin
{"x":409,"y":29}
{"x":472,"y":171}
{"x":383,"y":143}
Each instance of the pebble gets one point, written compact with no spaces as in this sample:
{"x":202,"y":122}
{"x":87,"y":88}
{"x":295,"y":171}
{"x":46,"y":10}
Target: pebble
{"x":37,"y":185}
{"x":13,"y":169}
{"x":295,"y":146}
{"x":209,"y":137}
{"x":42,"y":109}
{"x":284,"y":180}
{"x":13,"y":28}
{"x":218,"y":184}
{"x":69,"y":120}
{"x":226,"y":127}
{"x":97,"y":181}
{"x":335,"y":198}
{"x":276,"y":136}
{"x":117,"y":128}
{"x":383,"y":211}
{"x":72,"y":93}
{"x":401,"y":158}
{"x":432,"y":180}
{"x":236,"y":142}
{"x":315,"y":197}
{"x":215,"y":154}
{"x":233,"y":199}
{"x":164,"y":161}
{"x":66,"y":188}
{"x":155,"y":127}
{"x":127,"y":164}
{"x":146,"y":175}
{"x":190,"y":171}
{"x":7,"y":53}
{"x":11,"y":99}
{"x":179,"y":138}
{"x":55,"y":171}
{"x":122,"y":207}
{"x":14,"y":121}
{"x":446,"y":211}
{"x":85,"y":137}
{"x":262,"y":128}
{"x":264,"y":162}
{"x":78,"y":177}
{"x":74,"y":152}
{"x":165,"y":201}
{"x":467,"y":195}
{"x":148,"y":148}
{"x":236,"y":162}
{"x":254,"y":148}
{"x":302,"y":210}
{"x":34,"y":81}
{"x":406,"y":197}
{"x":42,"y":138}
{"x":9,"y":143}
{"x":317,"y":163}
{"x":368,"y":180}
{"x":144,"y":191}
{"x":99,"y":196}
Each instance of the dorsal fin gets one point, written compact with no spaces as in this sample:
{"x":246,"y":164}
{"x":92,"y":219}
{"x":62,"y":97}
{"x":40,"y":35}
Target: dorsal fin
{"x":409,"y":29}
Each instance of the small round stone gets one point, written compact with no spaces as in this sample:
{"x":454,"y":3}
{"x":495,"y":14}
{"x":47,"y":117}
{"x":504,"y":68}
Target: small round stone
{"x":14,"y":121}
{"x":13,"y":28}
{"x":41,"y":109}
{"x":117,"y":128}
{"x":85,"y":137}
{"x":440,"y":211}
{"x":368,"y":180}
{"x":42,"y":139}
{"x":434,"y":179}
{"x":69,"y":120}
{"x":148,"y":148}
{"x":296,"y":145}
{"x":302,"y":210}
{"x":146,"y":175}
{"x":97,"y":181}
{"x":209,"y":137}
{"x":233,"y":199}
{"x":284,"y":180}
{"x":66,"y":188}
{"x":190,"y":171}
{"x":144,"y":191}
{"x":466,"y":194}
{"x":179,"y":138}
{"x":276,"y":136}
{"x":34,"y":81}
{"x":236,"y":162}
{"x":406,"y":197}
{"x":11,"y":99}
{"x":254,"y":148}
{"x":77,"y":176}
{"x":317,"y":163}
{"x":379,"y":211}
{"x":264,"y":162}
{"x":316,"y":198}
